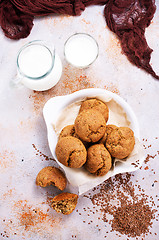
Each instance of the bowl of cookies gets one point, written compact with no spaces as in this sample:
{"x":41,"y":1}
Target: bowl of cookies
{"x":93,"y":134}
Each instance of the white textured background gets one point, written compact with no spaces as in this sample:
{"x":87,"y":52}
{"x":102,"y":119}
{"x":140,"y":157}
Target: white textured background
{"x":22,"y":124}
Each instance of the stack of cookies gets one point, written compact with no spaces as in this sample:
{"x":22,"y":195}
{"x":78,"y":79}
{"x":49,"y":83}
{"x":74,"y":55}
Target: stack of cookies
{"x":91,"y":143}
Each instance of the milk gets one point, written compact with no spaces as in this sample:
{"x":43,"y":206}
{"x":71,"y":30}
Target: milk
{"x":39,"y":68}
{"x":81,"y":50}
{"x":35,"y":61}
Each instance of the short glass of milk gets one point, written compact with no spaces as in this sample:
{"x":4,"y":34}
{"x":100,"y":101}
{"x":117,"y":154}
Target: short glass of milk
{"x":38,"y":66}
{"x":81,"y":50}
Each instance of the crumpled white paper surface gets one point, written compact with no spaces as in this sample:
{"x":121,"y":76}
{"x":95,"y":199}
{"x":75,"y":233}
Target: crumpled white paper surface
{"x":62,"y":111}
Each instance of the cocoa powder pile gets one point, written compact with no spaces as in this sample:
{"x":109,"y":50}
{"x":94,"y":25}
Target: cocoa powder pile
{"x":127,"y":212}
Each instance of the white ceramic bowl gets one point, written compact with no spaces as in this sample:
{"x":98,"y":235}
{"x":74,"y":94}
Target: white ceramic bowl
{"x":57,"y":105}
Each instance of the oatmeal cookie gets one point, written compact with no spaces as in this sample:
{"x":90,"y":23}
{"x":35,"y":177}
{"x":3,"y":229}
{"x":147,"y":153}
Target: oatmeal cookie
{"x":71,"y":152}
{"x":120,"y":142}
{"x":69,"y":130}
{"x":90,"y":125}
{"x":51,"y":176}
{"x":64,"y":203}
{"x":96,"y":104}
{"x":98,"y":160}
{"x":110,"y":128}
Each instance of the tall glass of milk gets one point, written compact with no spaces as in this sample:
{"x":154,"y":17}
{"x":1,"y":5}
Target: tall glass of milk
{"x":81,"y":50}
{"x":38,"y":65}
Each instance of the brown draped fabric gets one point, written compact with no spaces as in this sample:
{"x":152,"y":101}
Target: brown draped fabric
{"x":126,"y":18}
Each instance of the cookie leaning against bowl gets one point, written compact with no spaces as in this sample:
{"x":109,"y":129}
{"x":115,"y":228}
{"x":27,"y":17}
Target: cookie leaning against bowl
{"x":64,"y":203}
{"x":95,"y":104}
{"x":90,"y":125}
{"x":120,"y":142}
{"x":99,"y":161}
{"x":71,"y":152}
{"x":51,"y":176}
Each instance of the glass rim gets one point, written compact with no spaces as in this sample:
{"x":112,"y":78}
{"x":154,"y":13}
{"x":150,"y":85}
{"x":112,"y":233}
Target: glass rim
{"x":88,"y":35}
{"x":42,"y":43}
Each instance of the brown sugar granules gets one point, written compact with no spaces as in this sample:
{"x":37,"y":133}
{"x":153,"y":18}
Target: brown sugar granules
{"x":127,"y":212}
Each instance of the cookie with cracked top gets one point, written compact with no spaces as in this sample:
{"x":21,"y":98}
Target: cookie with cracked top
{"x":99,"y":161}
{"x":51,"y":176}
{"x":71,"y":152}
{"x":68,"y":130}
{"x":90,"y":125}
{"x":120,"y":142}
{"x":110,"y":128}
{"x":96,"y":104}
